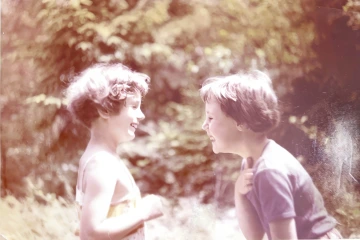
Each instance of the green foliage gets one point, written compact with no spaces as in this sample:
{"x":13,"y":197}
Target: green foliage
{"x":282,"y":35}
{"x":348,"y":213}
{"x":174,"y":149}
{"x":46,"y":100}
{"x":28,"y":219}
{"x":352,"y":9}
{"x":311,"y":53}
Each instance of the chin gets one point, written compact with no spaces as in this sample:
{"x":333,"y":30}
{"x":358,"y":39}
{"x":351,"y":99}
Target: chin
{"x":218,"y":150}
{"x":215,"y":150}
{"x":127,"y":139}
{"x":130,"y":138}
{"x":131,"y":135}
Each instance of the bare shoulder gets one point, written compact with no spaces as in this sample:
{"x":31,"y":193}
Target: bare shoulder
{"x":101,"y":173}
{"x":103,"y":161}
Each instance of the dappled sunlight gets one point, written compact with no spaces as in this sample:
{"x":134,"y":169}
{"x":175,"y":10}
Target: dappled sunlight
{"x":310,"y":50}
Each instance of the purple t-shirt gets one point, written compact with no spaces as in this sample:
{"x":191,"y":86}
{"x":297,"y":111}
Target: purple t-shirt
{"x":283,"y":189}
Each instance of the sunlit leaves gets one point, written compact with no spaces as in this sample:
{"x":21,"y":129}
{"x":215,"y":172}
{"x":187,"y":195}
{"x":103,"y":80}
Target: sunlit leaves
{"x":179,"y":44}
{"x":274,"y":38}
{"x":46,"y":100}
{"x":182,"y":31}
{"x":352,"y":8}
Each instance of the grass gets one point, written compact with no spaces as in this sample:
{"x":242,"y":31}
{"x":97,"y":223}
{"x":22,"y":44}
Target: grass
{"x":187,"y":219}
{"x":184,"y":219}
{"x":57,"y":219}
{"x":28,"y":219}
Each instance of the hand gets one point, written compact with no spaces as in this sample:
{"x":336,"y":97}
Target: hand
{"x":244,"y":182}
{"x":151,"y":207}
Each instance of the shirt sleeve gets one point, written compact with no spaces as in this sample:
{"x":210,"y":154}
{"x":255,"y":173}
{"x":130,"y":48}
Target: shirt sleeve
{"x":275,"y":197}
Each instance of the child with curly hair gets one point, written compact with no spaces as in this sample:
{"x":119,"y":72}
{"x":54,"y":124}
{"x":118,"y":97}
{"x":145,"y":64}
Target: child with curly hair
{"x":106,"y":98}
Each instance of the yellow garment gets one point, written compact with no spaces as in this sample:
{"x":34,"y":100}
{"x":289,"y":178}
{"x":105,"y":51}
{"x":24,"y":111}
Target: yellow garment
{"x":127,"y":202}
{"x":118,"y":210}
{"x":121,"y":208}
{"x":124,"y":207}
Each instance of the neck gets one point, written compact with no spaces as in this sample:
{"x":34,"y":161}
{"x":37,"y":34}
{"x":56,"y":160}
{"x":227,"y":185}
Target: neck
{"x":99,"y":139}
{"x":254,"y":146}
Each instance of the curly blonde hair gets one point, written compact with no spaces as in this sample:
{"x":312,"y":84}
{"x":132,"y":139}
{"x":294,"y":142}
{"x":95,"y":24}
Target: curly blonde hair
{"x":246,"y":97}
{"x":103,"y":87}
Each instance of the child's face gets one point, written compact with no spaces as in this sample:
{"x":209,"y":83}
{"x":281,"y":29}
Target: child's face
{"x":221,"y":129}
{"x":124,"y":124}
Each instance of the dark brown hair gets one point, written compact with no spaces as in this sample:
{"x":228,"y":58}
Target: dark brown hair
{"x":246,"y":97}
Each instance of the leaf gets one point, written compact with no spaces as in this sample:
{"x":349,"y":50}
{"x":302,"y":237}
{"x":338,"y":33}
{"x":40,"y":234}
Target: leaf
{"x":46,"y":100}
{"x":114,"y":40}
{"x":85,"y":27}
{"x":84,"y":46}
{"x":104,"y":31}
{"x":86,"y":2}
{"x":75,"y":4}
{"x":341,"y":212}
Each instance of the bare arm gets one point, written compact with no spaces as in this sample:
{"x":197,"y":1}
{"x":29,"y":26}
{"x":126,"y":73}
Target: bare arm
{"x":283,"y":229}
{"x":101,"y":176}
{"x":247,"y":216}
{"x":248,"y":219}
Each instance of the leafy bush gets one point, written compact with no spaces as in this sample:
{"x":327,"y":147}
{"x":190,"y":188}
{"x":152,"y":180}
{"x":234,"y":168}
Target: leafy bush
{"x":311,"y":53}
{"x":29,"y":219}
{"x":57,"y":219}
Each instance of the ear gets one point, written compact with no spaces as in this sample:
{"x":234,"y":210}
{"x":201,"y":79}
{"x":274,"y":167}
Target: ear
{"x":240,"y":127}
{"x":103,"y":114}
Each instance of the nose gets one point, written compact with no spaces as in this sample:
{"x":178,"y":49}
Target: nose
{"x":140,"y":115}
{"x":205,"y":125}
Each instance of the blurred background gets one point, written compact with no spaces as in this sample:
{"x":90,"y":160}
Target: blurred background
{"x":310,"y":48}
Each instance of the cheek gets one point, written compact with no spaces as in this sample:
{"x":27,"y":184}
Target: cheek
{"x":131,"y":113}
{"x":213,"y":127}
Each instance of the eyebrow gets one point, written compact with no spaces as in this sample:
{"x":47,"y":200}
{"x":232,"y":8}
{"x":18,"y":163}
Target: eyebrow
{"x":136,"y":101}
{"x":133,"y":101}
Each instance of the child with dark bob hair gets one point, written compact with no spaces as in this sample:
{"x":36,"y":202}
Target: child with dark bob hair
{"x":273,"y":194}
{"x":106,"y":98}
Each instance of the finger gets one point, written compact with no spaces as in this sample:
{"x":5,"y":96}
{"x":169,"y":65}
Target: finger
{"x":249,"y":179}
{"x":249,"y":170}
{"x":244,"y":164}
{"x":248,"y":163}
